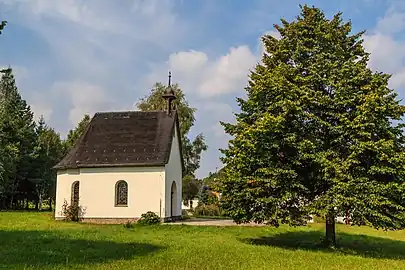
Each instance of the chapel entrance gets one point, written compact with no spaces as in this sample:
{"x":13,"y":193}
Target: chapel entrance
{"x":173,"y":200}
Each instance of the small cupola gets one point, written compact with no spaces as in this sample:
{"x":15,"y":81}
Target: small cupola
{"x":169,"y":95}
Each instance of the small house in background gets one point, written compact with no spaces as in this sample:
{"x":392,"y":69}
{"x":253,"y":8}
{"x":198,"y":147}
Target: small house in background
{"x":125,"y":164}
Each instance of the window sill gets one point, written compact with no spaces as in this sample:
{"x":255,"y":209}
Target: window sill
{"x":121,"y":205}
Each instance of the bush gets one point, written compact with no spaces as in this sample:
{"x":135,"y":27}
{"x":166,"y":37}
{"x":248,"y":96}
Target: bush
{"x":207,"y":210}
{"x":149,"y":218}
{"x":72,"y":212}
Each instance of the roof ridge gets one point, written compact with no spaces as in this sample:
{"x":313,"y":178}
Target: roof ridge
{"x":128,"y":111}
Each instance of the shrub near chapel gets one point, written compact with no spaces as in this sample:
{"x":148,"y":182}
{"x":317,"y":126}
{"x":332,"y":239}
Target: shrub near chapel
{"x":315,"y":134}
{"x":73,"y":212}
{"x":149,"y":218}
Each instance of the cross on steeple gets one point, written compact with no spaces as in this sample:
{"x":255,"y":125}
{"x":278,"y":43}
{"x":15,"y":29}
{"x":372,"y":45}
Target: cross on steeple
{"x":169,"y":94}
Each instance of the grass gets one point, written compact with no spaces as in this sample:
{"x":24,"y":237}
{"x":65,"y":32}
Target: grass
{"x":35,"y":241}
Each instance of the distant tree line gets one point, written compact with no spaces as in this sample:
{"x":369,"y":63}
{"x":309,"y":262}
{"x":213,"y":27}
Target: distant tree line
{"x":28,"y":151}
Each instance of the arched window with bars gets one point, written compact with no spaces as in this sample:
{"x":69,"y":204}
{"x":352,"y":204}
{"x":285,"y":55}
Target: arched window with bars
{"x":121,"y":193}
{"x":75,"y":193}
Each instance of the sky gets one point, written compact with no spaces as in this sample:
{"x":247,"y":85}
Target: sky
{"x":72,"y":57}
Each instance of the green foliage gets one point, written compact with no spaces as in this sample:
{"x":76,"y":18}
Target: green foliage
{"x":213,"y":180}
{"x":2,"y":26}
{"x":155,"y":102}
{"x":17,"y":132}
{"x":47,"y":153}
{"x":77,"y":132}
{"x":206,"y":196}
{"x":207,"y":210}
{"x":315,"y":134}
{"x":72,"y":212}
{"x":191,"y":150}
{"x":149,"y":218}
{"x":191,"y":188}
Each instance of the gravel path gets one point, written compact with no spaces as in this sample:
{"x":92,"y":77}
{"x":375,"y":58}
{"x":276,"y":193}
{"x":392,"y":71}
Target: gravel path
{"x":210,"y":222}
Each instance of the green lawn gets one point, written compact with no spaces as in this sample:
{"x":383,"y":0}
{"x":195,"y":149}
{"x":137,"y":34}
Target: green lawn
{"x":34,"y":241}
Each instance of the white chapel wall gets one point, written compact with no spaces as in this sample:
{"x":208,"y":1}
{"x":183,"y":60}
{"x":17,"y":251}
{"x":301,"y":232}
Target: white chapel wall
{"x":97,"y":191}
{"x":174,"y":173}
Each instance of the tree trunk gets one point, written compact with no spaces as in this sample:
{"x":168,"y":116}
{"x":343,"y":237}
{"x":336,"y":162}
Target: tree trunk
{"x":50,"y":204}
{"x":330,"y":236}
{"x":40,"y":202}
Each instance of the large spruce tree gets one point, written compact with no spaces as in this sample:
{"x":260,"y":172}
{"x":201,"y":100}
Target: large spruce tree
{"x":316,"y":133}
{"x":17,"y":131}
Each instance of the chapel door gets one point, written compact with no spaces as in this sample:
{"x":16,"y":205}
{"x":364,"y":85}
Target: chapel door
{"x":173,"y":200}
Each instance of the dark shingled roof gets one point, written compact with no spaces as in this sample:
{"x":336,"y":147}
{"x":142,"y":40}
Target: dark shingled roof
{"x":132,"y":138}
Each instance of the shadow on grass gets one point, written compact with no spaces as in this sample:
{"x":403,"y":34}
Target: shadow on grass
{"x":349,"y":244}
{"x":41,"y":248}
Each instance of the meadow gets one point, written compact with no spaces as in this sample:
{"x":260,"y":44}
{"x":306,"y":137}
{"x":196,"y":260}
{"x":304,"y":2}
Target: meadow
{"x":32,"y":240}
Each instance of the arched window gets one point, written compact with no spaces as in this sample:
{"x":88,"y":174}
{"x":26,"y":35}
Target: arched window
{"x":121,"y":193}
{"x":75,"y":193}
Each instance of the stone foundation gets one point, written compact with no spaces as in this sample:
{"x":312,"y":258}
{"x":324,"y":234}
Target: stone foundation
{"x":105,"y":220}
{"x":109,"y":220}
{"x":119,"y":220}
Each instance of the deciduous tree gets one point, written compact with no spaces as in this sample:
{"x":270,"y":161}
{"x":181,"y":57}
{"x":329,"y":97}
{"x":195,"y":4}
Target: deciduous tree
{"x":316,"y":133}
{"x":192,"y":149}
{"x":191,"y":188}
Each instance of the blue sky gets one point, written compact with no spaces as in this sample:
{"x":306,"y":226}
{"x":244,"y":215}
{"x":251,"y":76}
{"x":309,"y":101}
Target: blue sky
{"x":73,"y":57}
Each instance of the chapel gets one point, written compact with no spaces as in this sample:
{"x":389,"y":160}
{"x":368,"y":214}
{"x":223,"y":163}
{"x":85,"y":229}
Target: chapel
{"x":125,"y":164}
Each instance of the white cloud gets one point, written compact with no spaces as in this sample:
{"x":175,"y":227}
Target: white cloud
{"x":197,"y":74}
{"x":222,"y":112}
{"x":92,"y":42}
{"x":387,"y":51}
{"x":40,"y":108}
{"x":387,"y":54}
{"x":229,"y":73}
{"x":188,"y":62}
{"x":85,"y":98}
{"x":392,"y":23}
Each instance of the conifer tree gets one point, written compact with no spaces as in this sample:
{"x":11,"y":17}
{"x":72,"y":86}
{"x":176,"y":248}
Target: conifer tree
{"x":18,"y":136}
{"x":47,"y":153}
{"x":316,"y":133}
